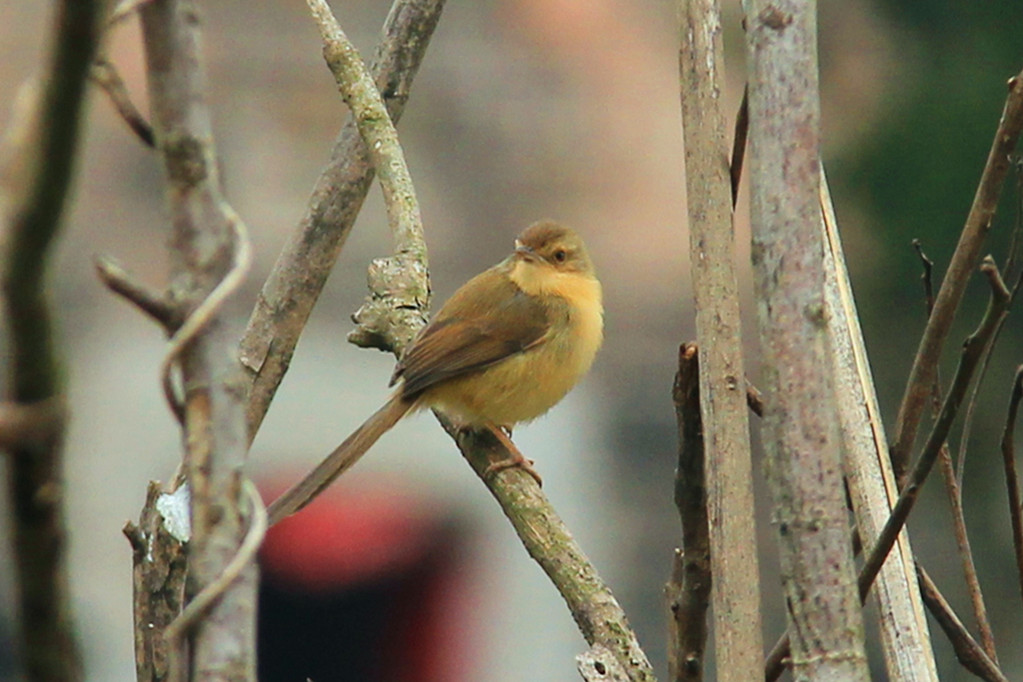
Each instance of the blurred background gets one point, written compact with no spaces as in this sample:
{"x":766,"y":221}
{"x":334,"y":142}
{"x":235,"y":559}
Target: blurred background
{"x":522,"y":110}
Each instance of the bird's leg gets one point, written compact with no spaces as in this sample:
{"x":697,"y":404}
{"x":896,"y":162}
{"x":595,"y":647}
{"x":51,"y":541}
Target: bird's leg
{"x":516,"y":458}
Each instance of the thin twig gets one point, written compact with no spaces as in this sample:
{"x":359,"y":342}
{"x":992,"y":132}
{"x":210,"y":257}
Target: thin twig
{"x":105,"y":75}
{"x":1007,"y":271}
{"x":953,"y":486}
{"x":960,"y":268}
{"x":690,"y":586}
{"x":926,"y":276}
{"x":152,"y":302}
{"x":973,"y":350}
{"x":301,"y":270}
{"x":1011,"y":478}
{"x":962,"y":538}
{"x":968,"y":652}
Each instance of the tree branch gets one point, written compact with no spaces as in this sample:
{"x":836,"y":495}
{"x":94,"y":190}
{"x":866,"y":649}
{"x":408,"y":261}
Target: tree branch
{"x":600,"y":618}
{"x":968,"y":652}
{"x":39,"y":162}
{"x":1011,"y":478}
{"x":710,"y":190}
{"x":960,"y":268}
{"x":208,"y":259}
{"x":690,"y":586}
{"x":973,"y":351}
{"x":905,"y":640}
{"x":291,"y":290}
{"x":800,"y":426}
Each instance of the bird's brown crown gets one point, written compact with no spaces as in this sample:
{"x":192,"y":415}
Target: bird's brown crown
{"x":556,"y":244}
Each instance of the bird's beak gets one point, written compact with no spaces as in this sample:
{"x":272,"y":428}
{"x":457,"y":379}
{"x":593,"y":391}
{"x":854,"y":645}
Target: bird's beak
{"x":526,"y":253}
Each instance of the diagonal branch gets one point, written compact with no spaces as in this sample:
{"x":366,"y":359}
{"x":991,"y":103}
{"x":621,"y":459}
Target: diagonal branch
{"x":298,"y":277}
{"x":1011,"y":477}
{"x":960,"y":268}
{"x":544,"y":535}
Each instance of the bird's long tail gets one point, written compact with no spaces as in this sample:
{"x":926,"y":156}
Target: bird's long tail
{"x":339,"y":461}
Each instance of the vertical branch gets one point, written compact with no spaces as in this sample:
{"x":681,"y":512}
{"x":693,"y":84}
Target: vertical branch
{"x":38,"y":169}
{"x":203,"y":253}
{"x":709,"y":187}
{"x":291,"y":290}
{"x":690,"y":586}
{"x":905,"y":639}
{"x":800,"y":420}
{"x":964,"y":261}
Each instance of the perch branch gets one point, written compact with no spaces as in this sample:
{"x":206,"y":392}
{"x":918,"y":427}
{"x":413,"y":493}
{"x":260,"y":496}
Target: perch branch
{"x":39,"y":156}
{"x":544,"y":535}
{"x":964,"y":260}
{"x":408,"y":284}
{"x":597,"y":613}
{"x":291,"y":290}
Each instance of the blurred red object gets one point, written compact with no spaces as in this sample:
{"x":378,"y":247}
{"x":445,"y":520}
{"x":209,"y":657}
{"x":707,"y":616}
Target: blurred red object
{"x":370,"y":585}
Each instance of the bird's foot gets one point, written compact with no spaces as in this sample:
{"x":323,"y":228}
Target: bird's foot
{"x":515,"y":459}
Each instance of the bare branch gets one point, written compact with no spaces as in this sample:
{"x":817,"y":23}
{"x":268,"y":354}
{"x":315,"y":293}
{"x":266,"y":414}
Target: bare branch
{"x":690,"y":586}
{"x":800,"y":426}
{"x":600,"y":618}
{"x":152,"y":302}
{"x":960,"y":268}
{"x":39,"y":156}
{"x":1011,"y":477}
{"x":208,"y":258}
{"x":105,"y":75}
{"x":406,"y":273}
{"x":870,"y":481}
{"x":973,"y":350}
{"x":710,"y":196}
{"x":969,"y":653}
{"x":962,"y":538}
{"x":294,"y":285}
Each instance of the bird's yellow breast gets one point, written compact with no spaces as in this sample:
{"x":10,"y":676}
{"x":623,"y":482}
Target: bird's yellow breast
{"x":524,"y":386}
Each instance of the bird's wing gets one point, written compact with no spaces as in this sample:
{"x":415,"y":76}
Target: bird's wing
{"x":467,"y":336}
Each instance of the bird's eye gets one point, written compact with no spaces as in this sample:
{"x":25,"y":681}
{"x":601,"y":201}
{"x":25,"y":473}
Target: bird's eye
{"x":560,"y":255}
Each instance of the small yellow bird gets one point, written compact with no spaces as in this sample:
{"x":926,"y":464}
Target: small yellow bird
{"x":504,"y":349}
